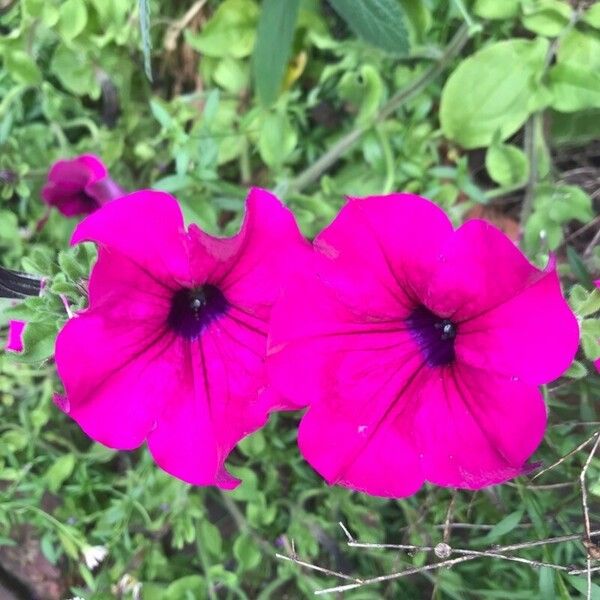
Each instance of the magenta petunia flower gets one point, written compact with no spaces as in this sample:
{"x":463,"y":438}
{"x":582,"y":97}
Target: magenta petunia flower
{"x":14,"y":342}
{"x":172,"y":347}
{"x":419,"y":349}
{"x":79,"y":186}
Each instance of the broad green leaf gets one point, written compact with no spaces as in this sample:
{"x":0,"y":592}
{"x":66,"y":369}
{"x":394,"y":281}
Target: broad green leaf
{"x":546,"y":582}
{"x":277,"y":140}
{"x":418,"y":18}
{"x":492,"y":91}
{"x":74,"y":71}
{"x":506,"y":164}
{"x":231,"y":30}
{"x":232,"y":75}
{"x":246,"y":552}
{"x":574,"y":87}
{"x":580,"y":584}
{"x":378,"y":22}
{"x":496,"y":10}
{"x":190,"y":587}
{"x":580,"y":48}
{"x":575,"y":128}
{"x":273,"y":46}
{"x":546,"y":17}
{"x":592,"y":15}
{"x":59,"y":471}
{"x":72,"y":19}
{"x":22,"y":67}
{"x":211,"y":537}
{"x":38,"y":341}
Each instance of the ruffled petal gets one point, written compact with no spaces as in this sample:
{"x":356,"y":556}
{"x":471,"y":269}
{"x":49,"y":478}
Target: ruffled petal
{"x":250,"y":267}
{"x":479,"y":268}
{"x":350,"y":437}
{"x":117,"y":376}
{"x":474,"y":428}
{"x":534,"y":335}
{"x":147,"y":229}
{"x":389,"y":244}
{"x":223,"y":399}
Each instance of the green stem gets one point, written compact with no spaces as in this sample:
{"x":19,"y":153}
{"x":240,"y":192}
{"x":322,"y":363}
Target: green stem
{"x":339,"y":149}
{"x":205,"y":567}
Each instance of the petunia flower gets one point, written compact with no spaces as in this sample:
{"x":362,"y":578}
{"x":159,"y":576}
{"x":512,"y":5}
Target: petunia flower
{"x":79,"y":186}
{"x":14,"y":342}
{"x":419,"y":349}
{"x":172,"y":347}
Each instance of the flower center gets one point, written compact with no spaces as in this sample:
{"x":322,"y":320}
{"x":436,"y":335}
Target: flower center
{"x":194,"y":309}
{"x":434,"y":336}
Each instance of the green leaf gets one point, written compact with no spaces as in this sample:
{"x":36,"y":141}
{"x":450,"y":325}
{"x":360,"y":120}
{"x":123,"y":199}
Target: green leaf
{"x":592,"y":15}
{"x":575,"y":128}
{"x":211,"y":537}
{"x":495,"y":10}
{"x":38,"y":341}
{"x":579,"y":268}
{"x":246,"y":552}
{"x":145,"y":34}
{"x":585,"y":303}
{"x":580,"y":584}
{"x":22,"y":67}
{"x":273,"y":46}
{"x":75,"y":72}
{"x":580,"y":49}
{"x":574,"y":87}
{"x":277,"y":139}
{"x":500,"y":96}
{"x":546,"y":17}
{"x":230,"y":32}
{"x":190,"y":587}
{"x":506,"y":164}
{"x":378,"y":22}
{"x":547,"y":586}
{"x":59,"y":471}
{"x":72,"y":19}
{"x":503,"y":527}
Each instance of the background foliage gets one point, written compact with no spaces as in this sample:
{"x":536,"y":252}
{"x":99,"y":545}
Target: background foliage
{"x":489,"y":108}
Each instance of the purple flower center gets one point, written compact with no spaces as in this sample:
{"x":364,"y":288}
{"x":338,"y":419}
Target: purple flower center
{"x":194,"y":309}
{"x":434,"y":336}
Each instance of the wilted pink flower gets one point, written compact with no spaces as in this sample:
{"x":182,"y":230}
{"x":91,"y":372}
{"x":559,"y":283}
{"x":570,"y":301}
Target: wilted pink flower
{"x":79,"y":186}
{"x":172,"y":347}
{"x":419,"y":349}
{"x":14,"y":343}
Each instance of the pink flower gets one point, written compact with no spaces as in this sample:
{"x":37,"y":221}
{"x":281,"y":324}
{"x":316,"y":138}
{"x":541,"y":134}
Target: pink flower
{"x":14,"y":343}
{"x":79,"y":186}
{"x":419,"y":349}
{"x":172,"y":347}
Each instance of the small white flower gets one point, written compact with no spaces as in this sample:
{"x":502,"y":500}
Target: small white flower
{"x":94,"y":555}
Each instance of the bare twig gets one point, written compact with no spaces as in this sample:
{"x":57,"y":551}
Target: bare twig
{"x":566,"y":456}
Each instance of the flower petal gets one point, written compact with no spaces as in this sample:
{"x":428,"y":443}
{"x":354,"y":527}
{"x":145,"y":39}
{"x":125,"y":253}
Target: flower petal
{"x":391,"y":242}
{"x":223,"y":399}
{"x":146,"y":228}
{"x":350,"y":437}
{"x":479,"y":269}
{"x":533,"y":335}
{"x":474,"y":428}
{"x":251,"y":266}
{"x":14,"y":343}
{"x":116,"y":376}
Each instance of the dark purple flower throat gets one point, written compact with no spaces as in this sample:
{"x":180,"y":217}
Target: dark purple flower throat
{"x":194,"y":309}
{"x":434,"y":336}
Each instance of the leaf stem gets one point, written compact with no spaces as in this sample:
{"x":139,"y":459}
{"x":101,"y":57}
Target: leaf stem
{"x":339,"y":149}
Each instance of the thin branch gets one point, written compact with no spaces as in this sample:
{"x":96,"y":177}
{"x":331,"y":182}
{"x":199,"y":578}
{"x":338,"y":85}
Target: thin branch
{"x":566,"y":456}
{"x":337,"y":151}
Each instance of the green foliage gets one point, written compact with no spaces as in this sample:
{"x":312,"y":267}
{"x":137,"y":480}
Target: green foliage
{"x":273,"y":46}
{"x":297,"y":101}
{"x":379,"y":22}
